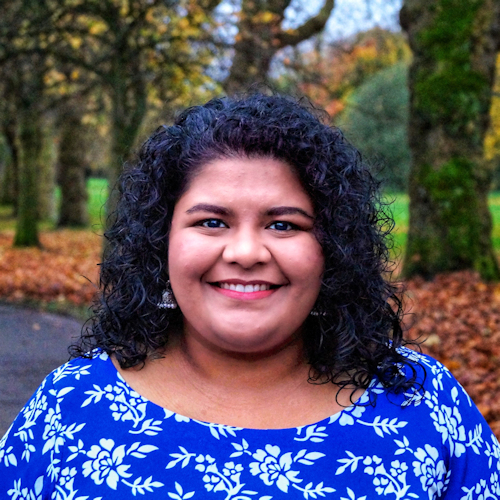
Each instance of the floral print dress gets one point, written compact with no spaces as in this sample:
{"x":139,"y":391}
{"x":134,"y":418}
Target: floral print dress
{"x":86,"y":434}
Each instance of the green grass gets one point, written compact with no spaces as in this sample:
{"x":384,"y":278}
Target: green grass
{"x":97,"y":191}
{"x":399,"y":211}
{"x":494,"y":202}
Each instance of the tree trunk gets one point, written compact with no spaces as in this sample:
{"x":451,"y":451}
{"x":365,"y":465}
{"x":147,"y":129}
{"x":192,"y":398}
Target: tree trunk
{"x":454,"y":45}
{"x":10,"y":188}
{"x":72,"y":165}
{"x":47,"y":174}
{"x":129,"y":109}
{"x":4,"y":180}
{"x":10,"y":79}
{"x":30,"y":139}
{"x":260,"y":36}
{"x":6,"y":175}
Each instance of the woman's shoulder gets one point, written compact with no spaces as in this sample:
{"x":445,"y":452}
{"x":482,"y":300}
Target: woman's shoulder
{"x":433,"y":380}
{"x":447,"y":406}
{"x":62,"y":392}
{"x":82,"y":369}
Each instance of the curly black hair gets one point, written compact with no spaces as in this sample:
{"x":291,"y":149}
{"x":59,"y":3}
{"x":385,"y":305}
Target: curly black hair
{"x":357,"y":332}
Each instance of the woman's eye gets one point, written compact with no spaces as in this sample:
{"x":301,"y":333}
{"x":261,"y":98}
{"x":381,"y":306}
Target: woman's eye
{"x":212,"y":223}
{"x":282,"y":226}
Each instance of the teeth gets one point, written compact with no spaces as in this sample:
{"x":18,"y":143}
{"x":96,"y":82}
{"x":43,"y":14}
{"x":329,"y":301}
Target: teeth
{"x":244,"y":288}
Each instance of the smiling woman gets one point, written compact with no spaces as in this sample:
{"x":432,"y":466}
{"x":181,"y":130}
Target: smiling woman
{"x":246,"y":331}
{"x":243,"y":261}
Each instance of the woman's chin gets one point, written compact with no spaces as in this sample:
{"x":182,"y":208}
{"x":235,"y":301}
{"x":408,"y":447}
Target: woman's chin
{"x":236,"y":334}
{"x":251,"y":343}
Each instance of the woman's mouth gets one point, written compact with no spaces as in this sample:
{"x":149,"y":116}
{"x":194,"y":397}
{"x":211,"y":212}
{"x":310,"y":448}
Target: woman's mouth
{"x":244,"y":288}
{"x":245,"y":291}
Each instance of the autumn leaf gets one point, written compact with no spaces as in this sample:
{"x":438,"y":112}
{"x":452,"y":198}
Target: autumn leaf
{"x":460,"y":316}
{"x":64,"y":270}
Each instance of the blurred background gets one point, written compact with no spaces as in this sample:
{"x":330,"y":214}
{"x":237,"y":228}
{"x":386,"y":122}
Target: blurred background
{"x":413,"y":84}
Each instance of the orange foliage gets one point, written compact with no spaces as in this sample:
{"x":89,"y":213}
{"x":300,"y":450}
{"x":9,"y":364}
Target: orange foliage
{"x":457,"y":314}
{"x":329,"y":76}
{"x":65,"y":269}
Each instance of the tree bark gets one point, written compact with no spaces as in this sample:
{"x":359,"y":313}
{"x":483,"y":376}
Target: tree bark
{"x":129,"y":109}
{"x":9,"y":89}
{"x":10,"y":184}
{"x":454,"y":44}
{"x":30,"y":139}
{"x":72,"y":165}
{"x":260,"y":36}
{"x":47,"y":173}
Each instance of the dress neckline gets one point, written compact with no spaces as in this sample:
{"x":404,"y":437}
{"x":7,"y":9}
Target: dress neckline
{"x":362,"y":402}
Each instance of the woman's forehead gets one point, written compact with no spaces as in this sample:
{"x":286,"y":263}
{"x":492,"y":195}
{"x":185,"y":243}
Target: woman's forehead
{"x":261,"y":179}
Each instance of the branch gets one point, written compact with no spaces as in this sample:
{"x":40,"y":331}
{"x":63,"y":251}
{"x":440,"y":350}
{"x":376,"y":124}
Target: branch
{"x":308,"y":29}
{"x":209,"y":5}
{"x":278,"y":7}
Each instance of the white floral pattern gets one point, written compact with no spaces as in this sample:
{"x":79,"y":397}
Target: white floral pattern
{"x":86,"y":435}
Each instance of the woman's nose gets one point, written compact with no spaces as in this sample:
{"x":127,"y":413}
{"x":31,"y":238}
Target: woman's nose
{"x":247,"y":249}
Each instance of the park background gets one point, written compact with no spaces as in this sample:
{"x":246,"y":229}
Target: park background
{"x":415,"y":85}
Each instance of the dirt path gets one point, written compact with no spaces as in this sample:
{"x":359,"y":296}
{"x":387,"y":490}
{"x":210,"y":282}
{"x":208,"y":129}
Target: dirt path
{"x":32,"y":344}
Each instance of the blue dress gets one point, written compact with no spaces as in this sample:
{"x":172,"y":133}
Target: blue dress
{"x":86,"y":434}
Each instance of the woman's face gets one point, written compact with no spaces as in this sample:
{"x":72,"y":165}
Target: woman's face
{"x":244,"y":264}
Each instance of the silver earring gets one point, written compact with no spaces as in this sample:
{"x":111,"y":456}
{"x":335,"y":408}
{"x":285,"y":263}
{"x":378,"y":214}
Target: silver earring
{"x":315,"y":312}
{"x":167,"y":299}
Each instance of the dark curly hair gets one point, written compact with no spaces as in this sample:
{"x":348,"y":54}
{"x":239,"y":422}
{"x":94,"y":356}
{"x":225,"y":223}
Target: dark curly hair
{"x":358,"y":331}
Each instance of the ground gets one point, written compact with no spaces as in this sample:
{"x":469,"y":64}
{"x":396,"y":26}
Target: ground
{"x":33,"y":344}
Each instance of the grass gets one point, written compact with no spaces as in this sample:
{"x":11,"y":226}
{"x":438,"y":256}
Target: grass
{"x":399,"y":209}
{"x":97,"y":191}
{"x":494,"y":202}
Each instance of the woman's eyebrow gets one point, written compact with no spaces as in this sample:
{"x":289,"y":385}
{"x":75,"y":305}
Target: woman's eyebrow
{"x":276,"y":211}
{"x":206,"y":207}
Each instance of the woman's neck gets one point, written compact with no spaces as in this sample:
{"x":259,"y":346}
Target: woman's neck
{"x":265,"y":390}
{"x":246,"y":371}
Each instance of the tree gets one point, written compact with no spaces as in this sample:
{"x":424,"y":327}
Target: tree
{"x":261,"y":35}
{"x":30,"y":141}
{"x":47,"y":171}
{"x":492,"y":139}
{"x":136,"y":50}
{"x":375,"y":118}
{"x":72,"y":162}
{"x":9,"y":130}
{"x":25,"y":68}
{"x":454,"y":44}
{"x":329,"y":73}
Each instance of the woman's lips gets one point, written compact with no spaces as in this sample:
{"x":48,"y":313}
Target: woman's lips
{"x":248,"y":291}
{"x":239,"y":287}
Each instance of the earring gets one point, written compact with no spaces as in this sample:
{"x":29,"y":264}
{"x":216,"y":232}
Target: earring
{"x":315,"y":312}
{"x":167,"y":299}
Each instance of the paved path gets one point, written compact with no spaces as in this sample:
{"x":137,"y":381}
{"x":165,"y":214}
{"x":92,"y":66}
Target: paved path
{"x":32,"y":344}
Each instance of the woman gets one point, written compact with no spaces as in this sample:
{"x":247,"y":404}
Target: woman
{"x":247,"y":344}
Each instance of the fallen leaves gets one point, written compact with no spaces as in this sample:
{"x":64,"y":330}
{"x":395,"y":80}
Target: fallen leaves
{"x":64,"y":270}
{"x":456,"y":316}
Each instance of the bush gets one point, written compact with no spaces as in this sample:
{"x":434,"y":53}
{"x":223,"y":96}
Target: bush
{"x":375,"y":120}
